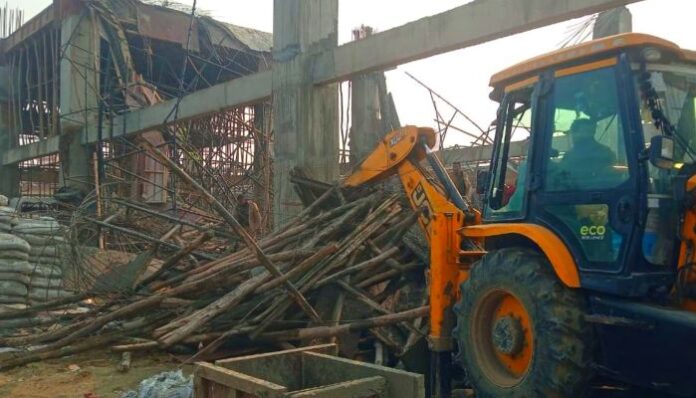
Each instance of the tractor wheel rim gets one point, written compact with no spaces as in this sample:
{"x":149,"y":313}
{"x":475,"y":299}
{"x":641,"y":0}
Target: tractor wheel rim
{"x":503,"y":338}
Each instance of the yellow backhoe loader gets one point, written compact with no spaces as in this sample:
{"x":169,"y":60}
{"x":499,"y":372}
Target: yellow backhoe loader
{"x":581,"y":260}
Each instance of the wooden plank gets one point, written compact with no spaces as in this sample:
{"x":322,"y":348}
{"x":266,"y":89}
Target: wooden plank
{"x":200,"y":386}
{"x":320,"y":369}
{"x":474,"y":23}
{"x":369,"y":387}
{"x":281,"y":367}
{"x":329,"y":349}
{"x":238,"y":381}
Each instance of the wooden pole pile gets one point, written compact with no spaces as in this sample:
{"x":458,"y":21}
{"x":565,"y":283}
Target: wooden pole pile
{"x":341,"y":267}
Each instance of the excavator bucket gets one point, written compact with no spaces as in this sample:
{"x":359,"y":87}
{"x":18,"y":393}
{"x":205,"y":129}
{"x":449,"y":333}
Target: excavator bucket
{"x":394,"y":148}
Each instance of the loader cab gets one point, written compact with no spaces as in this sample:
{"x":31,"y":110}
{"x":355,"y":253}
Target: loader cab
{"x":571,"y":153}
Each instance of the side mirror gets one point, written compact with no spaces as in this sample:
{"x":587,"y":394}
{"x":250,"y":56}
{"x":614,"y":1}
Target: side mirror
{"x":662,"y":152}
{"x":482,"y":181}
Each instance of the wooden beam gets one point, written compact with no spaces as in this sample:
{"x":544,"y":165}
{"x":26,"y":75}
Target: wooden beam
{"x":477,"y":22}
{"x":238,"y":382}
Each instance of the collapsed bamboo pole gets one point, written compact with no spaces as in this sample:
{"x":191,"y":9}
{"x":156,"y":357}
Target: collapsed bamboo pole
{"x":239,"y":230}
{"x":49,"y":305}
{"x":359,"y":267}
{"x":175,"y":258}
{"x":330,"y":331}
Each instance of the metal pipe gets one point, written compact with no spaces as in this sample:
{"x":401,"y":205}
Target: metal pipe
{"x":443,"y":177}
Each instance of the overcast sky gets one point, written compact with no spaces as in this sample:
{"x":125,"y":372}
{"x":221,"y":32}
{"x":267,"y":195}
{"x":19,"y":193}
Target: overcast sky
{"x":460,"y":76}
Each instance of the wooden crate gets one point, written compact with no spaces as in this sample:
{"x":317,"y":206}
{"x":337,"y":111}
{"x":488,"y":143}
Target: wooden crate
{"x":306,"y":372}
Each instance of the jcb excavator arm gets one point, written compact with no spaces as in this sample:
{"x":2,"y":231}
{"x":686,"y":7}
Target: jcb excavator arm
{"x":442,"y":212}
{"x":400,"y":152}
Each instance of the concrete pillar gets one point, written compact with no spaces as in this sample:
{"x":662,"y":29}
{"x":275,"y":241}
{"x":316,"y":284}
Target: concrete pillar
{"x":365,"y":128}
{"x":305,"y":116}
{"x":613,"y":22}
{"x":79,"y":87}
{"x":263,"y":163}
{"x":389,"y":117}
{"x":9,"y":174}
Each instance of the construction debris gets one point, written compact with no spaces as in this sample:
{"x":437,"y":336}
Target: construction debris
{"x":313,"y":371}
{"x":340,"y":268}
{"x":166,"y":384}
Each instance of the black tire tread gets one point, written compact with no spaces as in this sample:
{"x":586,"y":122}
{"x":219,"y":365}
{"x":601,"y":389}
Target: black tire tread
{"x":561,"y":366}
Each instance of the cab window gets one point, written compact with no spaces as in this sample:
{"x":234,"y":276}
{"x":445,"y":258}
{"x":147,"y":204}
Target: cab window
{"x":676,"y":92}
{"x":587,"y":150}
{"x":510,"y":167}
{"x":675,"y":88}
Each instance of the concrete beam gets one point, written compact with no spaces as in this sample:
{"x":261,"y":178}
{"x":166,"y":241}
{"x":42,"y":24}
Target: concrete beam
{"x":238,"y":92}
{"x":484,"y":153}
{"x":242,"y":91}
{"x":461,"y":27}
{"x":34,"y":150}
{"x":40,"y":21}
{"x":481,"y":153}
{"x":59,"y":10}
{"x":613,"y":22}
{"x":471,"y":24}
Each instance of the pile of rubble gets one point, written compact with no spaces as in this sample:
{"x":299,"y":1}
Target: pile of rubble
{"x":347,"y":266}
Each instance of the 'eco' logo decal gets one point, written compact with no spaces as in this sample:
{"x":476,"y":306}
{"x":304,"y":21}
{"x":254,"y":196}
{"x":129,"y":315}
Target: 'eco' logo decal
{"x":592,"y":232}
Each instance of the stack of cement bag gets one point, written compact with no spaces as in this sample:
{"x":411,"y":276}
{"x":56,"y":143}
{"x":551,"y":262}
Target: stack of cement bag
{"x":7,"y":215}
{"x":45,"y":236}
{"x":7,"y":218}
{"x":15,"y":272}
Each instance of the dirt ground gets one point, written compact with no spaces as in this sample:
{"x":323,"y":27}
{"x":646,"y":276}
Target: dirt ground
{"x":92,"y":375}
{"x":95,"y":375}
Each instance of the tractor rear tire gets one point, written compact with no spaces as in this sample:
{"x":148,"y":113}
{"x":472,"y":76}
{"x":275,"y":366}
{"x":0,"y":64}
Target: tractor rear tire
{"x":521,"y":333}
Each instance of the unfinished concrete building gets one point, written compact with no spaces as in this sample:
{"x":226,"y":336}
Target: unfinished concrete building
{"x":71,"y":75}
{"x":148,"y":124}
{"x":87,"y":84}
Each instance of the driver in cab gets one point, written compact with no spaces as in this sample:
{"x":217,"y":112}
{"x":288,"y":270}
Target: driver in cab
{"x":587,"y":164}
